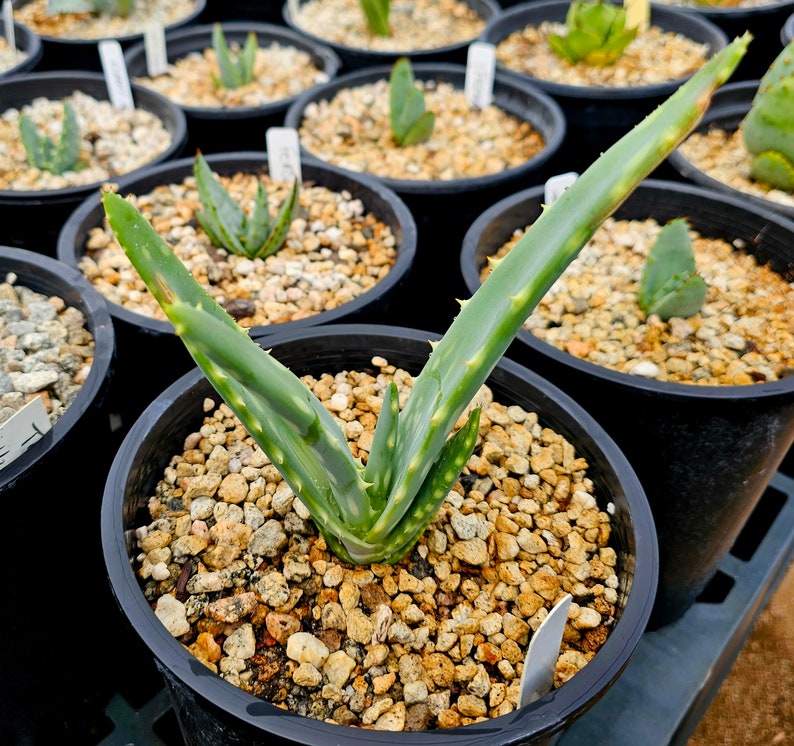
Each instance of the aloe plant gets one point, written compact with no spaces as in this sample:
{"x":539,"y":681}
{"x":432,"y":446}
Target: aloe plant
{"x":120,"y":8}
{"x":228,"y":227}
{"x":768,"y":128}
{"x":46,"y":155}
{"x":235,"y":70}
{"x":670,"y":284}
{"x":596,"y":34}
{"x":377,"y":14}
{"x":410,"y":121}
{"x":376,"y":512}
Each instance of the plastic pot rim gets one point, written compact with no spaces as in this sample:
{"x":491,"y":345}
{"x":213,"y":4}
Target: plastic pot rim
{"x":67,"y":251}
{"x":662,"y":389}
{"x":565,"y":702}
{"x":456,"y":75}
{"x":331,"y":64}
{"x":661,"y":15}
{"x":378,"y":57}
{"x":49,"y":276}
{"x":144,"y":98}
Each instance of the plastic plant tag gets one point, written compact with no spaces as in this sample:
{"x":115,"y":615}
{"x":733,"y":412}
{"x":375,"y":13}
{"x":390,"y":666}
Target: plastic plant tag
{"x":283,"y":154}
{"x":115,"y":72}
{"x":638,"y":14}
{"x":8,"y":24}
{"x":480,"y":68}
{"x":154,"y":46}
{"x":22,"y":430}
{"x":544,"y":649}
{"x":293,"y":6}
{"x":556,"y":185}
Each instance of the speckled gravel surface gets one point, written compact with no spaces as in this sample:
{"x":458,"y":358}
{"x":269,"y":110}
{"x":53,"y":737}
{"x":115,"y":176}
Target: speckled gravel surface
{"x":435,"y":641}
{"x":34,"y":15}
{"x":335,"y":251}
{"x":415,"y":25}
{"x":352,"y":130}
{"x":45,"y":350}
{"x":281,"y":71}
{"x":113,"y":142}
{"x":722,"y":155}
{"x":10,"y":57}
{"x":744,"y":333}
{"x":653,"y":57}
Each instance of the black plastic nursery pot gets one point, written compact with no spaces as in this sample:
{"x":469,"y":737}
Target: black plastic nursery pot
{"x":33,"y":219}
{"x":355,"y":58}
{"x":704,"y":454}
{"x":444,"y":209}
{"x":728,"y":108}
{"x":762,"y":20}
{"x":68,"y":463}
{"x":64,"y":53}
{"x":152,"y":342}
{"x":218,"y":129}
{"x":212,"y":711}
{"x":26,"y":41}
{"x":598,"y":117}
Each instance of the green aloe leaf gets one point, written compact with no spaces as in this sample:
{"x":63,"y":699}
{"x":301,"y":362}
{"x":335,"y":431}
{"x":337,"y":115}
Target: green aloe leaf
{"x":377,"y":14}
{"x":235,"y":70}
{"x":670,"y":285}
{"x":410,"y":122}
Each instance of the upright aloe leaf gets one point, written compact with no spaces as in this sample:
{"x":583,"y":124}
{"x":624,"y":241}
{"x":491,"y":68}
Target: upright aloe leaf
{"x":377,"y":513}
{"x":377,"y":14}
{"x":768,"y":128}
{"x":235,"y":70}
{"x":227,"y":225}
{"x":46,"y":155}
{"x":410,"y":122}
{"x":670,"y":285}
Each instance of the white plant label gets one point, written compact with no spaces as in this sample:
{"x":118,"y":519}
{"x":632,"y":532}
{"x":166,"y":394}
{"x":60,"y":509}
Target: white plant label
{"x":480,"y":69}
{"x":556,"y":185}
{"x":638,"y":14}
{"x":294,"y":7}
{"x":22,"y":430}
{"x":115,"y":72}
{"x":283,"y":154}
{"x":154,"y":46}
{"x":8,"y":24}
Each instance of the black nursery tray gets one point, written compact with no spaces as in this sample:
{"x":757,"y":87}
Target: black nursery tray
{"x":672,"y":677}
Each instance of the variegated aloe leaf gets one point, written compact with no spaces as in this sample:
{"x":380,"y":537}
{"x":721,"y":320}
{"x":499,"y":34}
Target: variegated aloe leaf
{"x":414,"y":462}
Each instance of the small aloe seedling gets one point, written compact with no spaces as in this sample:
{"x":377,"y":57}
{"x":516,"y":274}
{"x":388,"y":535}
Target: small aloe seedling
{"x":377,"y":14}
{"x":46,"y":155}
{"x":596,"y":34}
{"x":768,"y":128}
{"x":227,"y":225}
{"x":410,"y":121}
{"x":375,"y":512}
{"x":670,"y":285}
{"x":120,"y":8}
{"x":235,"y":70}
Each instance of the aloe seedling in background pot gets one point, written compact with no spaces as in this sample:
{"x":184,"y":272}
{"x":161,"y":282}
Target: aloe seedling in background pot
{"x":596,"y":34}
{"x":768,"y":128}
{"x":376,"y":512}
{"x":46,"y":155}
{"x":410,"y":121}
{"x":235,"y":70}
{"x":670,"y":285}
{"x":226,"y":224}
{"x":377,"y":15}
